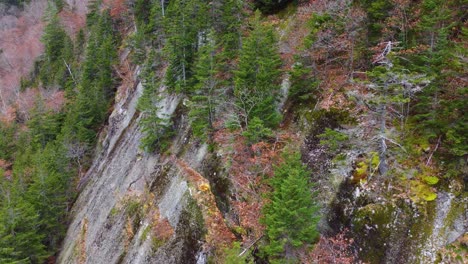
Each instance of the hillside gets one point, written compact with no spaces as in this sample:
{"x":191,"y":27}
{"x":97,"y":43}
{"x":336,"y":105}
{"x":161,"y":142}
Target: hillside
{"x":193,"y":131}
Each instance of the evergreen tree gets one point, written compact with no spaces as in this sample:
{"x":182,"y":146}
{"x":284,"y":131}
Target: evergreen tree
{"x":97,"y":83}
{"x":290,"y":217}
{"x":438,"y":112}
{"x":7,"y":141}
{"x":257,"y":79}
{"x":184,"y":21}
{"x":256,"y":131}
{"x":203,"y":95}
{"x":377,"y":12}
{"x":228,"y":33}
{"x":20,"y":241}
{"x":303,"y":86}
{"x":50,"y":192}
{"x":270,"y":6}
{"x":43,"y":126}
{"x":58,"y":49}
{"x":391,"y":88}
{"x":155,"y":26}
{"x":156,"y":127}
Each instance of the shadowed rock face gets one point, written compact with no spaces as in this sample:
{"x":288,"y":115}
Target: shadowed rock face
{"x":398,"y":230}
{"x":99,"y":230}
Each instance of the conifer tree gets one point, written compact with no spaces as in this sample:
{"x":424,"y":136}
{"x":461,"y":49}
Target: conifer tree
{"x":43,"y":126}
{"x":257,"y":79}
{"x":228,"y":33}
{"x":50,"y":192}
{"x":290,"y":217}
{"x":7,"y":141}
{"x":96,"y":87}
{"x":303,"y":86}
{"x":391,"y":88}
{"x":184,"y":21}
{"x":203,"y":95}
{"x":436,"y":112}
{"x":270,"y":6}
{"x":155,"y":26}
{"x":58,"y":49}
{"x":156,"y":127}
{"x":19,"y":240}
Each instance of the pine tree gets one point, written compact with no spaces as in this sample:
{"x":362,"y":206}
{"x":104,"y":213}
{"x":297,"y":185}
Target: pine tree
{"x":43,"y":126}
{"x":58,"y":48}
{"x":155,"y":26}
{"x":290,"y":217}
{"x":257,"y":79}
{"x":7,"y":141}
{"x":303,"y":86}
{"x":203,"y":95}
{"x":156,"y":128}
{"x":184,"y":21}
{"x":50,"y":192}
{"x":19,"y":222}
{"x":228,"y":33}
{"x":391,"y":88}
{"x":97,"y":83}
{"x":438,"y":113}
{"x":270,"y":6}
{"x":377,"y":12}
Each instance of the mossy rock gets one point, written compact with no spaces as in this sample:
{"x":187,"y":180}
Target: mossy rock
{"x":421,"y":192}
{"x":392,"y":232}
{"x":372,"y":224}
{"x":315,"y":122}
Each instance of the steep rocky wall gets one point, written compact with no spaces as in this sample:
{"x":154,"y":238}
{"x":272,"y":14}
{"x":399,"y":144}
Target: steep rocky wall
{"x":391,"y":228}
{"x":124,"y":190}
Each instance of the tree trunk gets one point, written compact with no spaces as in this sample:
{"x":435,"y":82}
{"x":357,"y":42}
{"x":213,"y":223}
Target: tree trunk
{"x":383,"y":146}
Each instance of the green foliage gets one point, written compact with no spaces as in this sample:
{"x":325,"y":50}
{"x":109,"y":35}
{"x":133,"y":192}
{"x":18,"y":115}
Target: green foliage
{"x":290,"y":217}
{"x":58,"y":50}
{"x":43,"y":126}
{"x":422,"y":192}
{"x":7,"y":141}
{"x":361,"y":170}
{"x":431,"y":180}
{"x":50,"y":192}
{"x":19,"y":240}
{"x":438,"y":110}
{"x":184,"y":20}
{"x":271,"y":6}
{"x":156,"y":127}
{"x":257,"y":79}
{"x":136,"y":42}
{"x":316,"y":23}
{"x":203,"y":99}
{"x":303,"y":88}
{"x":228,"y":34}
{"x":95,"y":92}
{"x":134,"y":211}
{"x":92,"y":16}
{"x":333,"y":139}
{"x":51,"y":147}
{"x":256,"y":131}
{"x":14,"y":2}
{"x":231,"y":255}
{"x":155,"y":26}
{"x":142,"y":11}
{"x":321,"y":119}
{"x":377,"y":11}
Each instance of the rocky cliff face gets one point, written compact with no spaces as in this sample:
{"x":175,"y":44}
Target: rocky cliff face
{"x":138,"y":207}
{"x":126,"y":192}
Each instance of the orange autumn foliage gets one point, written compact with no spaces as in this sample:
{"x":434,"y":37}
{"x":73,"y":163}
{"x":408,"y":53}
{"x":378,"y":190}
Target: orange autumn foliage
{"x":249,"y":166}
{"x":219,"y":235}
